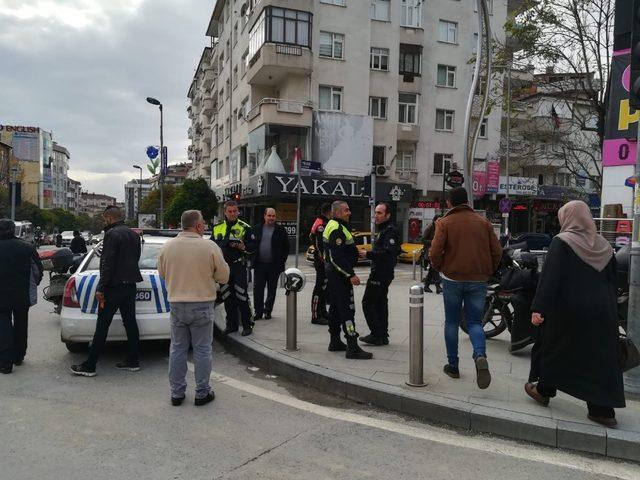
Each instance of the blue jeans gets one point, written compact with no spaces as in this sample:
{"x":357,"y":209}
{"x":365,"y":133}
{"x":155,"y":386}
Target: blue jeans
{"x":191,"y":324}
{"x":472,"y":296}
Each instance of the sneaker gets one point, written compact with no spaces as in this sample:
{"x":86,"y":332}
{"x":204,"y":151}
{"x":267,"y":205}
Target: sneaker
{"x":129,"y":366}
{"x":483,"y":376}
{"x":452,"y":371}
{"x":83,"y":370}
{"x":6,"y":369}
{"x":371,"y":340}
{"x":204,"y":400}
{"x":267,"y":316}
{"x":427,"y":289}
{"x":247,"y":331}
{"x":177,"y":401}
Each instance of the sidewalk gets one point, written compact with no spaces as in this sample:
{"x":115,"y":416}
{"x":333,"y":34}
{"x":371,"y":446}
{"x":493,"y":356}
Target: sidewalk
{"x":502,"y":409}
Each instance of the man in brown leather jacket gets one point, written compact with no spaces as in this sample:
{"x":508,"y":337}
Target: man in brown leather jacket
{"x":466,"y":251}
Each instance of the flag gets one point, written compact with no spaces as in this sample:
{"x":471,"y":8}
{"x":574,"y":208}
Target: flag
{"x":295,"y":160}
{"x":556,"y":118}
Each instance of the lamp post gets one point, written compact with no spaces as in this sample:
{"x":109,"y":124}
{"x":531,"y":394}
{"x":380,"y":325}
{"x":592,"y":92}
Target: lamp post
{"x":139,"y":193}
{"x":154,"y":101}
{"x":14,"y":175}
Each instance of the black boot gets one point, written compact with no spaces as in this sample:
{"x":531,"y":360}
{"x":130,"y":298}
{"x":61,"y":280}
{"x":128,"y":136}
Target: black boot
{"x":336,"y":345}
{"x":355,"y":352}
{"x":438,"y":289}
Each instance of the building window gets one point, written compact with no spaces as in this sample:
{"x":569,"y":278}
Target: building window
{"x":228,"y":49}
{"x":448,"y":32}
{"x":442,"y":163}
{"x":380,"y":10}
{"x":446,"y":76}
{"x":331,"y":45}
{"x":340,"y":3}
{"x":330,"y":98}
{"x":221,"y":98}
{"x":406,"y":161}
{"x":280,"y":25}
{"x":444,"y":120}
{"x":215,"y":169}
{"x":483,"y":128}
{"x":379,"y":59}
{"x":244,"y":62}
{"x":410,"y":59}
{"x":235,"y":34}
{"x":235,"y":119}
{"x":489,"y":6}
{"x":408,"y":108}
{"x":227,"y":127}
{"x":411,"y":13}
{"x":235,"y":77}
{"x":221,"y":135}
{"x":378,"y":155}
{"x":378,"y":107}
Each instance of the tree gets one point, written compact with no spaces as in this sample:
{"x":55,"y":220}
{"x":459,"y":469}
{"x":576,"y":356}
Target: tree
{"x":193,"y":195}
{"x":93,"y":224}
{"x":34,"y":214}
{"x":151,"y":203}
{"x":575,"y":36}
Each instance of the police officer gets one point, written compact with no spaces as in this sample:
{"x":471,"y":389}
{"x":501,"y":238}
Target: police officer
{"x":237,"y":242}
{"x":383,"y":256}
{"x":319,"y":297}
{"x":341,"y":256}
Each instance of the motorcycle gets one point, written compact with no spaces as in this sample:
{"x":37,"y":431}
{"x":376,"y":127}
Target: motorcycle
{"x":509,"y":297}
{"x":61,"y":263}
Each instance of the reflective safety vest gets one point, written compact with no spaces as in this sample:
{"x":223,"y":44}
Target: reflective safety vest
{"x":237,"y":232}
{"x":333,"y":225}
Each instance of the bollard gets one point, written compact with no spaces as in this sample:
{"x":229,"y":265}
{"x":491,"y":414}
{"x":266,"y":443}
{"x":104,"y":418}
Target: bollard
{"x":292,"y":320}
{"x":416,"y":342}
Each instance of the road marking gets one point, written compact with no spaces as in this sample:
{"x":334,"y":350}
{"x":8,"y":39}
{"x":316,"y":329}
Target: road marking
{"x":534,"y":453}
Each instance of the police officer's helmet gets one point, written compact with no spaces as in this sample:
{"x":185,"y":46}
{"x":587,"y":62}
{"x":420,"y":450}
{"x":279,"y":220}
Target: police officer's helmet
{"x":294,"y":280}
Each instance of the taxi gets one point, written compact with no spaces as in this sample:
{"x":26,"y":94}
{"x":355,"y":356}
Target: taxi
{"x":80,"y":306}
{"x":361,"y":239}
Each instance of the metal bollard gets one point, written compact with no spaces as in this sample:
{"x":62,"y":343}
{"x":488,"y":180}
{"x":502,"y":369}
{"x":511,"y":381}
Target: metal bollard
{"x":416,"y":342}
{"x":292,"y":321}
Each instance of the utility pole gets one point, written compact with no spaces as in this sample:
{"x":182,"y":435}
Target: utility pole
{"x":372,"y":202}
{"x":506,"y":160}
{"x":14,"y":174}
{"x":162,"y":163}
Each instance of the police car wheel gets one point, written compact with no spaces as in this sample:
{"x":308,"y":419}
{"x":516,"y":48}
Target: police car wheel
{"x":77,"y":347}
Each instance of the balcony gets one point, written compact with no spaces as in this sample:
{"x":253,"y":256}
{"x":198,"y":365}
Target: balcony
{"x":408,"y":133}
{"x":410,"y":83}
{"x":273,"y":63}
{"x":208,"y":78}
{"x":282,"y":112}
{"x":206,"y":135}
{"x":190,"y":133}
{"x":208,"y":106}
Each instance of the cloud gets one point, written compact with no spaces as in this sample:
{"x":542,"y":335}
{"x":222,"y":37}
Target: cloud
{"x":83,"y":68}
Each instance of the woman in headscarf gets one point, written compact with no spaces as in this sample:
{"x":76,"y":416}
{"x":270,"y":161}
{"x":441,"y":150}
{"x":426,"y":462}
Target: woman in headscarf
{"x":575,"y":305}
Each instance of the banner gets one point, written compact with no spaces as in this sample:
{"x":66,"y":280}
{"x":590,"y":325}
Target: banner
{"x":622,"y":122}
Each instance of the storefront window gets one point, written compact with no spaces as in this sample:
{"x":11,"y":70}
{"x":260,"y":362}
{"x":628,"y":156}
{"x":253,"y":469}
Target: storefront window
{"x":285,"y":139}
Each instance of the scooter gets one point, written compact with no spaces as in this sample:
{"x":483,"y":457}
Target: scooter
{"x":61,"y":263}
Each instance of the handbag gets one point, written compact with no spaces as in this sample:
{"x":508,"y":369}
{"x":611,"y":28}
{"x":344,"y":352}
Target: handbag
{"x":628,"y":354}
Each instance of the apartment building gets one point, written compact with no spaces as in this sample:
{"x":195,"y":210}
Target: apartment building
{"x":340,"y":86}
{"x":74,"y":196}
{"x":59,"y":178}
{"x":135,"y":192}
{"x":94,"y":203}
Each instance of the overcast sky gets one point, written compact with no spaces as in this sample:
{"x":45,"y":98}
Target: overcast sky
{"x":83,"y":68}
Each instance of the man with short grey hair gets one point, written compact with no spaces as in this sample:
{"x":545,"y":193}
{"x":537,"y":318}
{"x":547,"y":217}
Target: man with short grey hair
{"x":191,"y":267}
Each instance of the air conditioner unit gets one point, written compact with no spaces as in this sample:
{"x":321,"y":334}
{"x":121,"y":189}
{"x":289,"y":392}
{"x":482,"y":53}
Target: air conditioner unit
{"x":382,"y":171}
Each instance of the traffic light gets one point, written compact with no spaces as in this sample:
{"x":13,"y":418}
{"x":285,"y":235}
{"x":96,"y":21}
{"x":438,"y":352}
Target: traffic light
{"x":634,"y":81}
{"x":233,"y":196}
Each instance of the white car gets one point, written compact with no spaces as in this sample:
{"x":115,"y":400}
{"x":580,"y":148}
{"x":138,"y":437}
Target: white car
{"x":79,"y":305}
{"x":67,"y":236}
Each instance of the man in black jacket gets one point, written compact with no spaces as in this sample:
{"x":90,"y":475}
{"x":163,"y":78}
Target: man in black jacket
{"x":119,"y":273}
{"x":268,"y":262}
{"x":16,"y":258}
{"x":78,"y":245}
{"x":383,"y":256}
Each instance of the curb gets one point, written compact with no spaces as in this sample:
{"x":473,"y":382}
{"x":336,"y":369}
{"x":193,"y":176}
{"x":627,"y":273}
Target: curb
{"x":593,"y":439}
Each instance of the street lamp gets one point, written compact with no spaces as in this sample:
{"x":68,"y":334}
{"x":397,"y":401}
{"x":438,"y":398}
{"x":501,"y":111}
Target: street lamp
{"x":139,"y":193}
{"x":14,"y":175}
{"x":154,"y":101}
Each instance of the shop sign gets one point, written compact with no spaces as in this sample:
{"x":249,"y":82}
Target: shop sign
{"x":519,"y":186}
{"x":290,"y":227}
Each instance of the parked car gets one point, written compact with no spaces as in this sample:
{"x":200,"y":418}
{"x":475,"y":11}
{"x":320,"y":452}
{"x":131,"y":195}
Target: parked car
{"x":67,"y":236}
{"x":24,"y":231}
{"x":80,"y":307}
{"x":97,"y":238}
{"x":409,"y":251}
{"x":86,"y":234}
{"x":361,"y":239}
{"x":531,"y":241}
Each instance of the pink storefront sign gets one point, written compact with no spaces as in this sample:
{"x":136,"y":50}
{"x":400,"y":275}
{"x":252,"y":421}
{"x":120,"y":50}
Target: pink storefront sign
{"x":479,"y":184}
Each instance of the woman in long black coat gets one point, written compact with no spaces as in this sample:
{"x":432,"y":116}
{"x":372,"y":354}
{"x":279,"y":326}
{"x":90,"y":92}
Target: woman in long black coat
{"x":575,"y":304}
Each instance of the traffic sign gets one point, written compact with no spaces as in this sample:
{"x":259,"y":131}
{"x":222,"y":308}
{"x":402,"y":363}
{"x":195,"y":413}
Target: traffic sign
{"x":505,"y":205}
{"x":164,"y":161}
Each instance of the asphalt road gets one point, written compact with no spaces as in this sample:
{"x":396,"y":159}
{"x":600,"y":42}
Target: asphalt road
{"x":121,"y":425}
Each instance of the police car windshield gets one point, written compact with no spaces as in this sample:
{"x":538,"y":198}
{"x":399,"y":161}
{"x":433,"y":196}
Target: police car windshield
{"x":148,"y":258}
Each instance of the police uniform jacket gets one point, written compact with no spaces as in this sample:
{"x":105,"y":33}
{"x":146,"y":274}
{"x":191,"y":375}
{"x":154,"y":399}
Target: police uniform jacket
{"x":226,"y":233}
{"x":340,"y":251}
{"x":316,"y":237}
{"x":385,"y":250}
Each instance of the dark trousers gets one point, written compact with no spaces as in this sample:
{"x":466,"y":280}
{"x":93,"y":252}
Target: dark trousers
{"x":266,"y":274}
{"x":594,"y":410}
{"x":236,"y":297}
{"x":375,"y":306}
{"x":123,"y":298}
{"x":13,"y":334}
{"x":319,"y":296}
{"x":342,"y":312}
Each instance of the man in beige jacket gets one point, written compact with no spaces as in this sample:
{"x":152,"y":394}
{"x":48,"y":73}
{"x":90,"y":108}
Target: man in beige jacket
{"x":191,"y":267}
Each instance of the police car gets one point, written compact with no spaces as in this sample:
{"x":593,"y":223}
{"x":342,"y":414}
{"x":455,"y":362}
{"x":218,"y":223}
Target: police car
{"x":80,"y":306}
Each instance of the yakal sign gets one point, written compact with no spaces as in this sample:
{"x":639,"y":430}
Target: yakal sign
{"x":317,"y":186}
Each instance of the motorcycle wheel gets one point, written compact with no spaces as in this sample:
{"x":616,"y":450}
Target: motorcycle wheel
{"x":494,"y":319}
